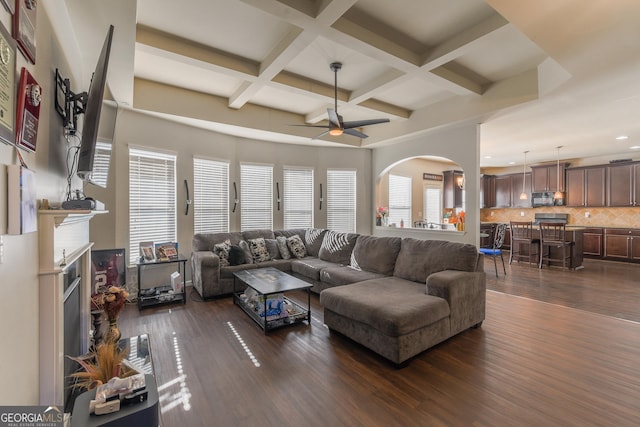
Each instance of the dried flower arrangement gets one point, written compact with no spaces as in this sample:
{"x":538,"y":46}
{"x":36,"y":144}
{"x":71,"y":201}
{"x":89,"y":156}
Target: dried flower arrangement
{"x":111,"y":300}
{"x":102,"y":364}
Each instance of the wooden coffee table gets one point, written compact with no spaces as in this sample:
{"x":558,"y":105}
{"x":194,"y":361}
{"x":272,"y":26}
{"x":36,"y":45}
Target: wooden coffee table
{"x":269,"y":285}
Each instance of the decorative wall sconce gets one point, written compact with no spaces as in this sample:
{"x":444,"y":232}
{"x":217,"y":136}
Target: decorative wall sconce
{"x":460,"y":182}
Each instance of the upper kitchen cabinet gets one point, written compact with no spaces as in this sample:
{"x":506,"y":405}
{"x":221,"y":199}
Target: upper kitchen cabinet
{"x":503,"y":191}
{"x":487,"y":191}
{"x":453,"y":185}
{"x":545,"y":177}
{"x":623,"y":185}
{"x":586,"y":186}
{"x":517,"y":188}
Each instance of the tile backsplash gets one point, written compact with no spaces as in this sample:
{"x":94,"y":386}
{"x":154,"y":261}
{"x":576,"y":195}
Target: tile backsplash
{"x":594,"y":217}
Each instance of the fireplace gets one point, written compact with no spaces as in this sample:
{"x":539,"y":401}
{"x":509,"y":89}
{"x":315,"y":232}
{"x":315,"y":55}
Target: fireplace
{"x":65,"y":292}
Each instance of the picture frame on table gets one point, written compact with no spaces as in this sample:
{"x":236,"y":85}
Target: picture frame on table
{"x":7,"y":86}
{"x":166,"y":251}
{"x":147,"y":252}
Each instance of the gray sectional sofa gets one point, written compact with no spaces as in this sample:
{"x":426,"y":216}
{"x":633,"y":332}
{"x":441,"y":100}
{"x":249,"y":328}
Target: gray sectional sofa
{"x":396,"y":296}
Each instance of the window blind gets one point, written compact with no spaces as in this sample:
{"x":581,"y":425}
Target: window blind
{"x":298,"y":197}
{"x":341,"y":200}
{"x":152,"y":199}
{"x":210,"y":196}
{"x":256,"y":197}
{"x":399,"y":200}
{"x":433,"y":205}
{"x":101,"y":162}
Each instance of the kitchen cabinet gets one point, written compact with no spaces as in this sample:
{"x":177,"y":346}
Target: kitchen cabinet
{"x":623,"y":185}
{"x":452,"y":192}
{"x":545,"y":177}
{"x":586,"y":186}
{"x":516,"y":190}
{"x":487,"y":191}
{"x":593,"y":243}
{"x":503,"y":191}
{"x":622,"y":244}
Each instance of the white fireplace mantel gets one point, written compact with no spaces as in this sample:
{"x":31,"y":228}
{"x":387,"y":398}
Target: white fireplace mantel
{"x":63,"y":240}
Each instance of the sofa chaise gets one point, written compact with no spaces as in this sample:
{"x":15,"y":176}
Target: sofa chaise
{"x":396,"y":296}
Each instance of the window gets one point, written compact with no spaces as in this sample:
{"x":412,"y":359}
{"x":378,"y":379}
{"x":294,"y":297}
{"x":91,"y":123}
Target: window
{"x":433,"y":205}
{"x":210,"y":196}
{"x":298,"y":197}
{"x":256,"y":197}
{"x":399,"y":200}
{"x":341,"y":200}
{"x":152,"y":199}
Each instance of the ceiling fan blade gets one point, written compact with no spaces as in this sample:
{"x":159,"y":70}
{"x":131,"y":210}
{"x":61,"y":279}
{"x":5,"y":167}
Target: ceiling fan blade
{"x":361,"y":123}
{"x":334,"y":119}
{"x":321,"y":135}
{"x":313,"y":126}
{"x":357,"y":133}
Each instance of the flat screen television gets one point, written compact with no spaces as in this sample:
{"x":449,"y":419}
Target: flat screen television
{"x":89,"y":140}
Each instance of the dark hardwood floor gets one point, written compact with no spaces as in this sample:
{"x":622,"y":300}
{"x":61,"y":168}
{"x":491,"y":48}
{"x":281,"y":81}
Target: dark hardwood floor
{"x":556,"y":349}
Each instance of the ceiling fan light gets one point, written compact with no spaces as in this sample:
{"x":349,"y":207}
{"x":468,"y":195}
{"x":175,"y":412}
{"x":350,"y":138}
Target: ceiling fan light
{"x":335,"y":132}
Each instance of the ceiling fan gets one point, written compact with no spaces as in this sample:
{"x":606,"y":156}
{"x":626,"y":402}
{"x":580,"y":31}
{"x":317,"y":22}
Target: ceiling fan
{"x":337,"y":126}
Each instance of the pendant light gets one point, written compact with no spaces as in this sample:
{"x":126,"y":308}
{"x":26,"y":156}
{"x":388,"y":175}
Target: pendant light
{"x":558,"y":194}
{"x":523,"y":195}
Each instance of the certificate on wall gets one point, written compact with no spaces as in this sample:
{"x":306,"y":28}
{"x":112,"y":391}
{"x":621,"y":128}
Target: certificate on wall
{"x":24,"y":27}
{"x":7,"y":85}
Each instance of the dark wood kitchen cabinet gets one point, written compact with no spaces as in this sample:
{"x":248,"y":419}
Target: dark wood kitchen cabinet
{"x":622,"y":244}
{"x":545,"y":177}
{"x":503,"y":191}
{"x":453,"y":195}
{"x":623,"y":185}
{"x":586,"y":186}
{"x":516,"y":190}
{"x":487,"y":191}
{"x":593,"y":243}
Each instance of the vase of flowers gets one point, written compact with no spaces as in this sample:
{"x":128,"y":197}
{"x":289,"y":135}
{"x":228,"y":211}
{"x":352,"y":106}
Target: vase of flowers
{"x":111,"y":300}
{"x":382,"y":215}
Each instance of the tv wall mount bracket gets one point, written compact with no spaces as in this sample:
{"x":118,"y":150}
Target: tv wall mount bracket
{"x":68,"y":104}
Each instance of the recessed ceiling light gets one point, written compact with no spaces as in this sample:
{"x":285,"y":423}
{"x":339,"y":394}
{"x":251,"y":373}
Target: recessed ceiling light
{"x":512,"y":163}
{"x":487,"y":157}
{"x":635,"y":147}
{"x":622,"y":137}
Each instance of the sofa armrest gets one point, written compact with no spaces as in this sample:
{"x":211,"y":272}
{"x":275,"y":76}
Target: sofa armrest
{"x":466,"y":294}
{"x":205,"y":272}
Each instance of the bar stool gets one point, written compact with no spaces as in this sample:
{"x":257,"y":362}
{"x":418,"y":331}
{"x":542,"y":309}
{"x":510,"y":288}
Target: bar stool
{"x":552,"y":235}
{"x":521,"y":237}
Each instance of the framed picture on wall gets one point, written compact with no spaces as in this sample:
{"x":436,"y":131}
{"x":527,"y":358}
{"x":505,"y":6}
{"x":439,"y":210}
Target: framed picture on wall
{"x":24,"y":27}
{"x":7,"y":86}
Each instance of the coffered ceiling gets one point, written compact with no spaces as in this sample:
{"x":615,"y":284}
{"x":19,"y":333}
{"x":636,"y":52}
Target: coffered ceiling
{"x":536,"y":74}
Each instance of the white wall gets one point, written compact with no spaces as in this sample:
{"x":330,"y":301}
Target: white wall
{"x":461,"y":145}
{"x":19,"y":306}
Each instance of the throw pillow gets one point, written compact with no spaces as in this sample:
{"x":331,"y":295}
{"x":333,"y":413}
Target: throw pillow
{"x":313,"y":240}
{"x":354,"y":262}
{"x":272,"y":247}
{"x":236,"y":255}
{"x":259,"y":250}
{"x":337,"y":247}
{"x":281,"y":241}
{"x":222,"y":250}
{"x":248,"y":256}
{"x":296,"y":246}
